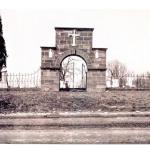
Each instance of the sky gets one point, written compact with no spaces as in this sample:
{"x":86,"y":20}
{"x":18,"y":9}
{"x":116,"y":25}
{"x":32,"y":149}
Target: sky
{"x":126,"y":34}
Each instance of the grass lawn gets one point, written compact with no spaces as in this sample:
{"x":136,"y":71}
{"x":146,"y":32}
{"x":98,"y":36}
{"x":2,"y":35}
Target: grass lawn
{"x":108,"y":101}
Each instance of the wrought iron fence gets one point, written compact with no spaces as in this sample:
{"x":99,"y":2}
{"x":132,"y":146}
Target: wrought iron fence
{"x":33,"y":80}
{"x":130,"y":81}
{"x":20,"y":80}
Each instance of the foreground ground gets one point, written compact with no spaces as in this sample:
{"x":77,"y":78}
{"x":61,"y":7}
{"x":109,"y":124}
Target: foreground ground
{"x":75,"y":117}
{"x":108,"y":101}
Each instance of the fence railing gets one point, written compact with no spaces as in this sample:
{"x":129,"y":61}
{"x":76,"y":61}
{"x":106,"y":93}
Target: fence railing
{"x":33,"y":80}
{"x":20,"y":80}
{"x":129,"y":81}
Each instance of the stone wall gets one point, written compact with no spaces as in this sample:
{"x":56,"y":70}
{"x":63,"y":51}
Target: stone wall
{"x":50,"y":80}
{"x":96,"y":81}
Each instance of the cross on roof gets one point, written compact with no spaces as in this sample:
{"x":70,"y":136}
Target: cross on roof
{"x":74,"y":35}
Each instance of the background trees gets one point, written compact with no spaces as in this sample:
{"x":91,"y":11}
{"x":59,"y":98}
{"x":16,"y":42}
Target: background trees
{"x":3,"y":53}
{"x":119,"y":76}
{"x":117,"y":70}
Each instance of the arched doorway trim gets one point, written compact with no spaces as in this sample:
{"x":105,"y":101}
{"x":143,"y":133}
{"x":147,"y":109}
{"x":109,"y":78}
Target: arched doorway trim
{"x":79,"y":53}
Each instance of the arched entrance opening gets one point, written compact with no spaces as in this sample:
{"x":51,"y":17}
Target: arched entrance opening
{"x":73,"y":74}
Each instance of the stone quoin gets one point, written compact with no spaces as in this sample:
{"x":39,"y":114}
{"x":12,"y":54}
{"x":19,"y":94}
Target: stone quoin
{"x":73,"y":42}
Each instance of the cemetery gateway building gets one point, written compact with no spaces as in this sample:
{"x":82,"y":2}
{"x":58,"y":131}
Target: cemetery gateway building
{"x":73,"y":63}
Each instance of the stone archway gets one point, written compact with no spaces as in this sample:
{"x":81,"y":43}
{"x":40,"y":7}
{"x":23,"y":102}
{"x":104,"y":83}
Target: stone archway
{"x":77,"y":42}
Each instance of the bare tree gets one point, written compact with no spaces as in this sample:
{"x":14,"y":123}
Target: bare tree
{"x":65,"y":68}
{"x":117,"y":70}
{"x":148,"y":79}
{"x":143,"y":80}
{"x":148,"y":75}
{"x":139,"y":81}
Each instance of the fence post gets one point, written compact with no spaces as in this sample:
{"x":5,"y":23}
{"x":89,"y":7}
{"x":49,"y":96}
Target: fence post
{"x":6,"y":78}
{"x":137,"y":82}
{"x":19,"y":80}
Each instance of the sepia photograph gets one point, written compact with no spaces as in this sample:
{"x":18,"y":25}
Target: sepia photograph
{"x":74,"y":76}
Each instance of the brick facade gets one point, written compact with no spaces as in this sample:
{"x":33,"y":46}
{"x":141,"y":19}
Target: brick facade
{"x":95,"y":58}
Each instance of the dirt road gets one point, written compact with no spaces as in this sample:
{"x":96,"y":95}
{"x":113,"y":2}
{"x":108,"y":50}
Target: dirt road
{"x":77,"y":135}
